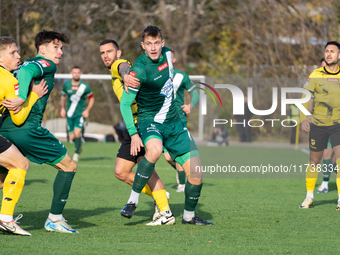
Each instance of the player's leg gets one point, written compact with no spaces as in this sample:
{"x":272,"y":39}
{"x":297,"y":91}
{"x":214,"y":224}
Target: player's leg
{"x":13,"y":183}
{"x":153,"y":150}
{"x":77,"y":143}
{"x":181,"y":146}
{"x":40,"y":146}
{"x":335,"y":140}
{"x":327,"y":167}
{"x":61,"y":189}
{"x":78,"y":125}
{"x":318,"y":138}
{"x":125,"y":162}
{"x":180,"y":173}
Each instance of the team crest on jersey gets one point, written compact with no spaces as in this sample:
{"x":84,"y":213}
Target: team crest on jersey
{"x":132,"y":73}
{"x":332,"y":80}
{"x":163,"y":66}
{"x":16,"y":88}
{"x":44,"y":63}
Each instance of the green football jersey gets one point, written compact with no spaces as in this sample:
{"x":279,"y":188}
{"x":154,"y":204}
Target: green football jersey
{"x":181,"y":83}
{"x":76,"y":97}
{"x":37,"y":68}
{"x":155,"y":97}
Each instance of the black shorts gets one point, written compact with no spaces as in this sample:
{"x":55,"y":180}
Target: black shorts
{"x":124,"y":150}
{"x":4,"y":144}
{"x":319,"y":135}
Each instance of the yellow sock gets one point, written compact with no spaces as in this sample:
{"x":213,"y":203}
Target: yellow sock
{"x":12,"y":188}
{"x":161,"y":200}
{"x":338,"y":176}
{"x":147,"y":190}
{"x":311,"y":177}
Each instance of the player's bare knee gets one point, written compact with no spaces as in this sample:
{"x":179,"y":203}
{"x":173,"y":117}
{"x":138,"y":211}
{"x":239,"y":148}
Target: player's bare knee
{"x":153,"y":154}
{"x":24,"y":164}
{"x":194,"y":181}
{"x":120,"y":174}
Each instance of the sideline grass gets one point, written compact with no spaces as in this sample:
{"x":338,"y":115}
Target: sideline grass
{"x":251,"y":215}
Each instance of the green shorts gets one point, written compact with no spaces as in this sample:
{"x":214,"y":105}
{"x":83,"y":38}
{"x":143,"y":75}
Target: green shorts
{"x":38,"y":145}
{"x":176,"y":138}
{"x":75,"y":122}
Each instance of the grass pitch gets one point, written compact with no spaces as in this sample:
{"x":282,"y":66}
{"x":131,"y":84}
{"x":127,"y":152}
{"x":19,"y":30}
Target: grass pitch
{"x":252,"y":215}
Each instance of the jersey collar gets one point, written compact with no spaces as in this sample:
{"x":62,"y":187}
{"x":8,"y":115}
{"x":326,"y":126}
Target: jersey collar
{"x":328,"y":72}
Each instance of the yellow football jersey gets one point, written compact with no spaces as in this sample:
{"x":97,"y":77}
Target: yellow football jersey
{"x":117,"y":84}
{"x":325,"y":86}
{"x":10,"y":89}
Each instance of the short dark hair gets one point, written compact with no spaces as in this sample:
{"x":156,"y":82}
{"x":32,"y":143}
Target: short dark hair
{"x":322,"y":60}
{"x":333,"y":43}
{"x":115,"y":44}
{"x":48,"y":36}
{"x":5,"y":41}
{"x":152,"y":31}
{"x":76,"y":67}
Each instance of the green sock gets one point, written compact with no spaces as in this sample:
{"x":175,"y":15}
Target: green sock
{"x":143,"y":174}
{"x":61,"y":189}
{"x":77,"y":145}
{"x":327,"y":174}
{"x":181,"y":177}
{"x":192,"y":194}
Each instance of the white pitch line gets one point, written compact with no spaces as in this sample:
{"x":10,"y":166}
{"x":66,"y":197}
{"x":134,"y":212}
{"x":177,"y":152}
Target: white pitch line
{"x":305,"y":150}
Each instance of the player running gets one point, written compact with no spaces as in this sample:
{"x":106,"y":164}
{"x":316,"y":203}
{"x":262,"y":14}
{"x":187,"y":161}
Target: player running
{"x":110,"y":54}
{"x":323,"y":83}
{"x":34,"y":141}
{"x":159,"y":124}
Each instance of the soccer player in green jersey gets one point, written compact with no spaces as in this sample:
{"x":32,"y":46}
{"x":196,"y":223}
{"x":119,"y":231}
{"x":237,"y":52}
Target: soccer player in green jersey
{"x":181,"y":83}
{"x":76,"y":111}
{"x":323,"y":83}
{"x":120,"y":68}
{"x":34,"y":141}
{"x":159,"y":124}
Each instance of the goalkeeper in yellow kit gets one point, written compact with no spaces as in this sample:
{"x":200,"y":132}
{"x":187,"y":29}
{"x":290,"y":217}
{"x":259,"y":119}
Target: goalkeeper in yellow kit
{"x":324,"y":84}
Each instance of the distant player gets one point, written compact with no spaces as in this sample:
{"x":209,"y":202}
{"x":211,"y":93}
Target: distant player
{"x":34,"y":141}
{"x":181,"y":82}
{"x":120,"y":68}
{"x":76,"y":111}
{"x":323,"y":83}
{"x":159,"y":124}
{"x":12,"y":179}
{"x":327,"y":155}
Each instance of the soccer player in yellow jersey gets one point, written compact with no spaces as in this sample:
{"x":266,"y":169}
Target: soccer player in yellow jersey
{"x":120,"y":68}
{"x":13,"y":181}
{"x":323,"y":83}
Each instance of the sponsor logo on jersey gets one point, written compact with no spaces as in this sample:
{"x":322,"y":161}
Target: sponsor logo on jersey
{"x":44,"y":63}
{"x":160,"y":76}
{"x":75,"y":87}
{"x":163,"y":66}
{"x":332,"y":80}
{"x":167,"y":89}
{"x":132,"y":73}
